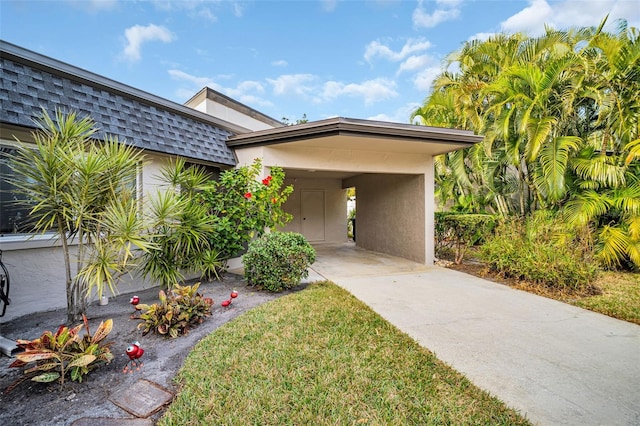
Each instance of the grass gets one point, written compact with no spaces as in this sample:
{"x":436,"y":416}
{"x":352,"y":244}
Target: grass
{"x":620,"y":296}
{"x":618,"y":293}
{"x":322,"y":357}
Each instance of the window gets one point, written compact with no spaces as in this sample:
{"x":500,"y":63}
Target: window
{"x":15,"y":208}
{"x":14,"y":213}
{"x":212,"y":172}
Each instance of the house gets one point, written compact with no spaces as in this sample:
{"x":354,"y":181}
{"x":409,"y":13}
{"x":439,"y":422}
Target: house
{"x":389,"y":164}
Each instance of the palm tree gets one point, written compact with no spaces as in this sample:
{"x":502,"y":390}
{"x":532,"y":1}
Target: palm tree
{"x":560,"y":117}
{"x":83,"y":190}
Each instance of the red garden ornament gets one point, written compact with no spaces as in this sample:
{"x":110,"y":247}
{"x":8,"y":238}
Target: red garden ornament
{"x":135,"y":300}
{"x":227,"y":303}
{"x":134,"y":352}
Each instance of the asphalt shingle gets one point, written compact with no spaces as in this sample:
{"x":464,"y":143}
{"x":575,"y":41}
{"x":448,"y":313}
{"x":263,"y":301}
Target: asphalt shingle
{"x":26,"y":89}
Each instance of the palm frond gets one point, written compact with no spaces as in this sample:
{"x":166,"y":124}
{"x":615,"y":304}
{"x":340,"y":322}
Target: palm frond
{"x":613,"y":244}
{"x":585,"y":207}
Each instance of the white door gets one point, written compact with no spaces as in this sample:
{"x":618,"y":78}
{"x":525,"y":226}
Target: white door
{"x":313,"y":215}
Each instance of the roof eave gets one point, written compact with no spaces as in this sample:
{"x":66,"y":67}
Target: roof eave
{"x":45,"y":63}
{"x":353,"y":127}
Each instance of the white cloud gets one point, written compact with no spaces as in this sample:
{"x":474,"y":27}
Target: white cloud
{"x":137,"y":35}
{"x":481,"y":36}
{"x":329,"y":5}
{"x":246,"y":91}
{"x":378,"y":49}
{"x":371,"y":91}
{"x":422,"y":81}
{"x":245,"y":87}
{"x":254,"y":101}
{"x":94,"y":6}
{"x":446,"y":10}
{"x":280,"y":63}
{"x":400,"y":115}
{"x":298,"y":84}
{"x":305,"y":86}
{"x":238,"y":10}
{"x":200,"y":8}
{"x":207,"y":14}
{"x":415,"y":63}
{"x":197,"y":82}
{"x":530,"y":19}
{"x":570,"y":13}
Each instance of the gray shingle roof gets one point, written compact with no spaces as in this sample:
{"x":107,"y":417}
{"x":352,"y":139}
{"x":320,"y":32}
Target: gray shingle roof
{"x":30,"y":81}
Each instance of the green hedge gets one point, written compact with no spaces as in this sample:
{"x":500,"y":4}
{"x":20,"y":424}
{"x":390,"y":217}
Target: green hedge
{"x":456,"y":232}
{"x":541,"y":250}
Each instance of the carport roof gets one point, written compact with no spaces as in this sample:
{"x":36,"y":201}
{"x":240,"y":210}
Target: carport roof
{"x":341,"y":126}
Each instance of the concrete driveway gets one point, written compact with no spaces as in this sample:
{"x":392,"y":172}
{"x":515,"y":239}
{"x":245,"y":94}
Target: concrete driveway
{"x":555,"y":363}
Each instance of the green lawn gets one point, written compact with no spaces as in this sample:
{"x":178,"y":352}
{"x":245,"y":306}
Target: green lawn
{"x":620,"y":296}
{"x":322,"y":357}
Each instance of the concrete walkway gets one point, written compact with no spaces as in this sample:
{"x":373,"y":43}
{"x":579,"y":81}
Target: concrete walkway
{"x":555,"y":363}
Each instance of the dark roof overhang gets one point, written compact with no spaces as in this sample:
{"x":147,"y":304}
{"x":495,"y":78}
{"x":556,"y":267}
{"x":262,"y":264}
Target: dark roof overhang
{"x":62,"y":69}
{"x":340,"y":126}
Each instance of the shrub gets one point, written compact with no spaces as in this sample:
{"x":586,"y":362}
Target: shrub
{"x":178,"y":309}
{"x":241,"y":206}
{"x":278,"y":260}
{"x":52,"y":356}
{"x":543,"y":251}
{"x":180,"y":228}
{"x":457,"y":232}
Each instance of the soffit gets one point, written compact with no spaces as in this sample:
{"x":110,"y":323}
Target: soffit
{"x":355,"y":134}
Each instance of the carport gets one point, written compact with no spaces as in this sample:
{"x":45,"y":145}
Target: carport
{"x":389,"y":164}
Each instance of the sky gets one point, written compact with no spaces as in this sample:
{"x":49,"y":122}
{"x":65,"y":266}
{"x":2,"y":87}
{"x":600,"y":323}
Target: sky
{"x":371,"y":59}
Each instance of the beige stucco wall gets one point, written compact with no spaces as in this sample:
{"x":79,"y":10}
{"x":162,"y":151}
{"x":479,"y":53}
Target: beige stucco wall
{"x":334,"y":195}
{"x":391,"y":214}
{"x":335,"y":198}
{"x":231,"y":115}
{"x":394,"y":192}
{"x":300,"y":156}
{"x":38,"y":281}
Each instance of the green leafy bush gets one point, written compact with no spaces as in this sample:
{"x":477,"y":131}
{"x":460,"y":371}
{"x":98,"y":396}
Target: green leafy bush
{"x":456,"y":232}
{"x":278,"y":260}
{"x":179,"y":309}
{"x":241,"y":206}
{"x":543,"y":251}
{"x":52,"y":356}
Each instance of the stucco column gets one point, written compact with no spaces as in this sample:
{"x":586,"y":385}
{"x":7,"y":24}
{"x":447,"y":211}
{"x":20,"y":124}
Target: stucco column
{"x":429,"y":210}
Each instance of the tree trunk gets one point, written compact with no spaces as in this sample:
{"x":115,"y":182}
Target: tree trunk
{"x":67,"y":269}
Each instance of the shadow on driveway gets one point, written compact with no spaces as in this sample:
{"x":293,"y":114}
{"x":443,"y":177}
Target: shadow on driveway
{"x":556,"y":363}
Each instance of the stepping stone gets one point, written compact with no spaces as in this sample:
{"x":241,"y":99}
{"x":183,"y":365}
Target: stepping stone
{"x":142,"y":399}
{"x":110,"y":421}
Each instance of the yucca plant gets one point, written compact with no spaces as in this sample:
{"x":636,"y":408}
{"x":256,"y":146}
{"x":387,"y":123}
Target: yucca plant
{"x":83,"y":190}
{"x":180,"y":229}
{"x":53,"y":356}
